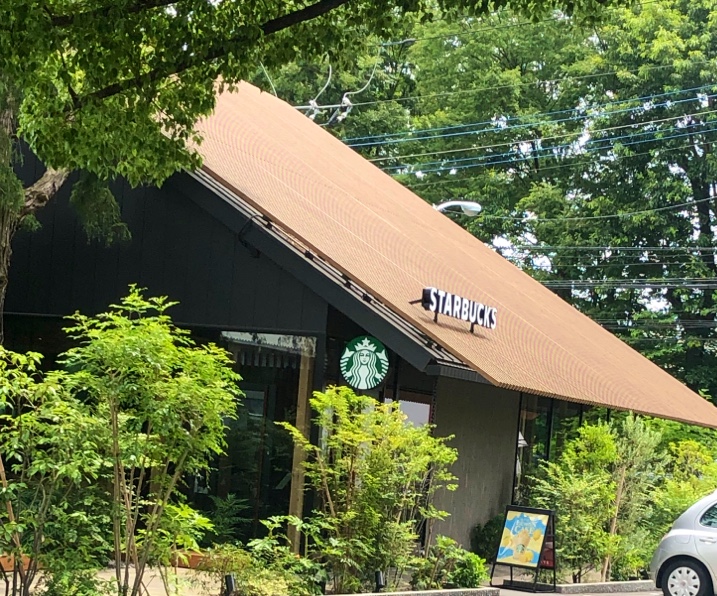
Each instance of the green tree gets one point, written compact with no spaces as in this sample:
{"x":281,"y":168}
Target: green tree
{"x":115,"y":88}
{"x":375,"y":476}
{"x":163,"y":401}
{"x":51,"y":463}
{"x":637,"y":473}
{"x":580,"y":487}
{"x":590,"y":148}
{"x":691,"y":475}
{"x":602,"y":487}
{"x":608,"y":196}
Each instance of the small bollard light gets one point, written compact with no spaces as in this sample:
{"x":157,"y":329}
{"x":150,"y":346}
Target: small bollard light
{"x":380,"y":585}
{"x":230,"y":584}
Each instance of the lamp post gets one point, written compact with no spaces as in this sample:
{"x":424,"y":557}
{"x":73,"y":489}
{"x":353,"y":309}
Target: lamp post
{"x":469,"y":208}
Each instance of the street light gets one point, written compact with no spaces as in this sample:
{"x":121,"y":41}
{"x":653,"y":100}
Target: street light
{"x":469,"y":208}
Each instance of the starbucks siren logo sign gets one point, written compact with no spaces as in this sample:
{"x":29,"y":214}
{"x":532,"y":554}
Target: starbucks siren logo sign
{"x":364,"y":363}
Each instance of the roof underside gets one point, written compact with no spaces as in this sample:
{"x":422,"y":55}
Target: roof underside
{"x":392,"y":243}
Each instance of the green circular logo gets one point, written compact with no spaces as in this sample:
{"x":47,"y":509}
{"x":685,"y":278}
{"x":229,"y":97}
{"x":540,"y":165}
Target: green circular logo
{"x":364,"y":363}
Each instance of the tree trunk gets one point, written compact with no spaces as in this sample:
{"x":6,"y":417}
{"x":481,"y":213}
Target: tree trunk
{"x":8,"y":225}
{"x":619,"y":493}
{"x":36,"y":196}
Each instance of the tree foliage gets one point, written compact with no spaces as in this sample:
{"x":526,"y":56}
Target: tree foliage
{"x":116,"y":88}
{"x":95,"y":452}
{"x":164,"y":401}
{"x":51,"y":464}
{"x":589,"y":145}
{"x":375,"y":476}
{"x":616,"y":492}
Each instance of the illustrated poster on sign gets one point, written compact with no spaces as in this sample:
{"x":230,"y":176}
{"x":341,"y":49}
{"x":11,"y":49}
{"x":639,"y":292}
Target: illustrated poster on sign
{"x":522,"y":539}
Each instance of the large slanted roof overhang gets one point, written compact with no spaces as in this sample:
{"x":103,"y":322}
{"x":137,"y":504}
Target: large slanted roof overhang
{"x":257,"y":230}
{"x":385,"y":239}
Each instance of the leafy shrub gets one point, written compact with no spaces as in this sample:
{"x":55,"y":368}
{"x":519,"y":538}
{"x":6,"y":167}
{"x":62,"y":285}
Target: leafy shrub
{"x":162,"y":401}
{"x":64,"y":579}
{"x":375,"y":476}
{"x":447,"y":565}
{"x":50,"y":451}
{"x":264,"y":568}
{"x":603,"y":488}
{"x":227,"y":517}
{"x":485,"y":538}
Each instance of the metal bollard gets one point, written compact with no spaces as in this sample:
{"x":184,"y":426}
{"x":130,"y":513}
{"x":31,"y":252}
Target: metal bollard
{"x":230,"y":584}
{"x":380,"y":585}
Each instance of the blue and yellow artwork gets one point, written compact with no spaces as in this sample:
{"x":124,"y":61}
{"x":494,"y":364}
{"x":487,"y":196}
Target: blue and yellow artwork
{"x":522,"y":539}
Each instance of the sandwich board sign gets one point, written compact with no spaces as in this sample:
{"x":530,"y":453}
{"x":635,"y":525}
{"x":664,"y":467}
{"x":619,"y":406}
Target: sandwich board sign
{"x":527,"y":542}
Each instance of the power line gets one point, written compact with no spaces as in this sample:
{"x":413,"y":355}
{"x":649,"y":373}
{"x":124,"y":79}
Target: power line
{"x":677,"y":340}
{"x":548,"y":138}
{"x":499,"y":87}
{"x":489,"y":160}
{"x":648,"y":324}
{"x":613,"y":248}
{"x":694,"y":283}
{"x":507,"y":86}
{"x":572,"y":164}
{"x":392,"y":138}
{"x":582,"y":265}
{"x":701,"y":128}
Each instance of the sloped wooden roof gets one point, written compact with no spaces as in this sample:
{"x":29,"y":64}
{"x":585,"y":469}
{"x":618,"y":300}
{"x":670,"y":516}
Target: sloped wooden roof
{"x":394,"y":244}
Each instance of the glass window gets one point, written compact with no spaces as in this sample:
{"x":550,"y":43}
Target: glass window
{"x":566,"y":421}
{"x":709,"y":518}
{"x":533,"y":441}
{"x":416,"y":413}
{"x":252,"y":480}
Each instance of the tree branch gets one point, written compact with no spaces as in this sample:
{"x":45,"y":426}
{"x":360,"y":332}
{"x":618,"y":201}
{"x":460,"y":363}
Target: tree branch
{"x":69,"y":19}
{"x":270,"y":27}
{"x":40,"y":193}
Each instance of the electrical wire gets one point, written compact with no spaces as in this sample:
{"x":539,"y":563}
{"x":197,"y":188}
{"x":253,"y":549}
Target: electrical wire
{"x":552,"y":138}
{"x":665,"y":282}
{"x":583,"y":265}
{"x":544,"y":153}
{"x":612,"y":248}
{"x":457,"y":180}
{"x":595,"y":75}
{"x":664,"y":340}
{"x":650,"y":324}
{"x":402,"y":137}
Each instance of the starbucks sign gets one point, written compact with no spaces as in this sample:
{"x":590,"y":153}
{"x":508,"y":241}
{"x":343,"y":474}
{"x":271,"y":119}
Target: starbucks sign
{"x":364,"y":363}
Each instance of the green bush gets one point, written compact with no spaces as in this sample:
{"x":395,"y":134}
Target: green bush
{"x":447,"y":565}
{"x":485,"y":538}
{"x":604,"y":488}
{"x":227,"y":517}
{"x":266,"y":567}
{"x":374,"y":476}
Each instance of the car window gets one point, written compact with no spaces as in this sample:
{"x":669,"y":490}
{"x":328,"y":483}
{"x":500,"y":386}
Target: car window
{"x":709,"y":518}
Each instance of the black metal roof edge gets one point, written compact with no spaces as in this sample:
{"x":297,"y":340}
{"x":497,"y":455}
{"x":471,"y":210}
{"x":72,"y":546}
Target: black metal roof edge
{"x":320,"y":276}
{"x":456,"y":372}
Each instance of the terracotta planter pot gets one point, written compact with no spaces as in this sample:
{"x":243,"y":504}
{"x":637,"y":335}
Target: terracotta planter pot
{"x":190,"y":560}
{"x":7,"y":563}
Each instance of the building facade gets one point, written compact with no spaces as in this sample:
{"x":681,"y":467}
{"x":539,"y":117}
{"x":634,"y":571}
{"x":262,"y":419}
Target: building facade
{"x":287,"y":246}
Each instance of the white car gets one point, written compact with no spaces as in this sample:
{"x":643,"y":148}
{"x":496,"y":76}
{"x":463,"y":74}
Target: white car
{"x":685,"y":562}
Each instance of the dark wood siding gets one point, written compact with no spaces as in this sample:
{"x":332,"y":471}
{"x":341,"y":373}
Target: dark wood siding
{"x":177,"y":249}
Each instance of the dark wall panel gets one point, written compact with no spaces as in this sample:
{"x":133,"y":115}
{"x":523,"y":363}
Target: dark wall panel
{"x":177,"y":249}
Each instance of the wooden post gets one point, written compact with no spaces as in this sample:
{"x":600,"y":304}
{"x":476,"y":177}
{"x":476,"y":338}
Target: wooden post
{"x":303,"y":423}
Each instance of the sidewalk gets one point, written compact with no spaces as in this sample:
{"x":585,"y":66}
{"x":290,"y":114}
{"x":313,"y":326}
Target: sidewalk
{"x":192,"y":583}
{"x":189,"y":582}
{"x":505,"y":592}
